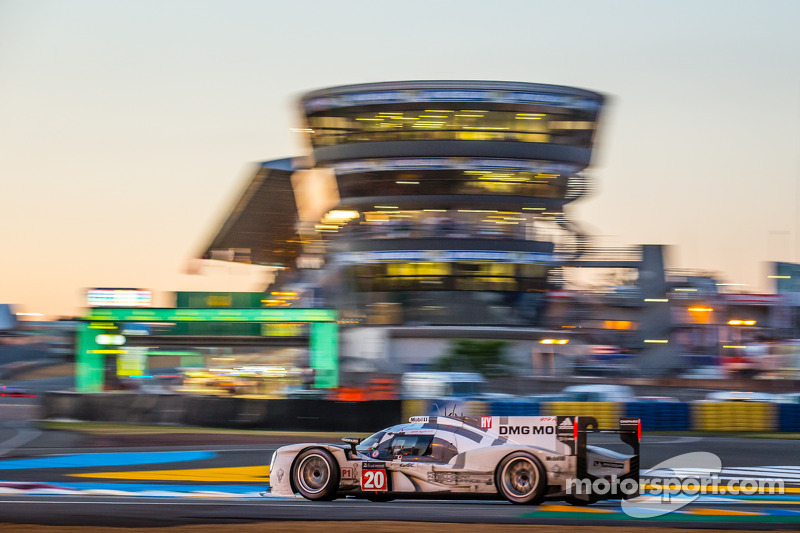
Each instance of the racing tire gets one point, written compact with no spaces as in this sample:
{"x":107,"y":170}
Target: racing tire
{"x":520,"y":478}
{"x":315,"y":475}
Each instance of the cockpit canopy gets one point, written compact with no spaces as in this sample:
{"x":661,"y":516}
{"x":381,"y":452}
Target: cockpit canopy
{"x":406,"y":442}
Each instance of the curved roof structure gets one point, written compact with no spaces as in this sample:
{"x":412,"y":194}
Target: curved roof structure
{"x":428,"y":90}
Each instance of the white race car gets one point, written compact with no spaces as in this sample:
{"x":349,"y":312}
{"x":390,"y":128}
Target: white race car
{"x":523,"y":459}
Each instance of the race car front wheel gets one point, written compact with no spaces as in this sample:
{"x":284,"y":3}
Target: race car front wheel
{"x":521,"y":478}
{"x":315,"y":474}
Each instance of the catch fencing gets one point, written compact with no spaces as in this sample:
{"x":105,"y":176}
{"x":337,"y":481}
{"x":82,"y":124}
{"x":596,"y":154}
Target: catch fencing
{"x":368,"y":416}
{"x":666,"y":416}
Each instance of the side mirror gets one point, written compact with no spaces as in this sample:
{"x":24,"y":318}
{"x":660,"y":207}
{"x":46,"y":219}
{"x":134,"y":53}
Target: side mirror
{"x":353,"y":442}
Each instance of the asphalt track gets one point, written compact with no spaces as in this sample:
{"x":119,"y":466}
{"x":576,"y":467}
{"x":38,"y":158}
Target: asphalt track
{"x":154,"y":512}
{"x":181,"y":484}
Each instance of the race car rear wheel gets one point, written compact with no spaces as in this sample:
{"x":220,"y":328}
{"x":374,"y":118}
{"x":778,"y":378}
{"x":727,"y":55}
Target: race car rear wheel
{"x":521,"y":478}
{"x":315,"y":474}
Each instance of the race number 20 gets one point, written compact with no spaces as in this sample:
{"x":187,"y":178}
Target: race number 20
{"x":373,"y":479}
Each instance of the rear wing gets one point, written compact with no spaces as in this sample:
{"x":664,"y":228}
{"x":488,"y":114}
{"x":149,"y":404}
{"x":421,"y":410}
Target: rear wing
{"x":630,"y":432}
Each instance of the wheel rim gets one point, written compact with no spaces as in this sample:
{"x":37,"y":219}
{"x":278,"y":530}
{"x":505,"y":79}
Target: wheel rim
{"x":313,"y":474}
{"x":520,"y":478}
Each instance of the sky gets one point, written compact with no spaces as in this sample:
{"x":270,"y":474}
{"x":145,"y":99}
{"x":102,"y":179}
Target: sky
{"x":128,"y":128}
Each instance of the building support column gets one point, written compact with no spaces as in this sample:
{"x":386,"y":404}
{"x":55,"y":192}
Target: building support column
{"x":89,"y":361}
{"x":325,"y":354}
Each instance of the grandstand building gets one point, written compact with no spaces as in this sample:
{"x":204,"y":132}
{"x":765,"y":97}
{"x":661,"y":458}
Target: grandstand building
{"x":426,"y":210}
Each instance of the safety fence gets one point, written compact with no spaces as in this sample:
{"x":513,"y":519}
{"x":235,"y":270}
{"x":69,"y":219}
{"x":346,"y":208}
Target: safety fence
{"x":662,"y":416}
{"x":368,"y":416}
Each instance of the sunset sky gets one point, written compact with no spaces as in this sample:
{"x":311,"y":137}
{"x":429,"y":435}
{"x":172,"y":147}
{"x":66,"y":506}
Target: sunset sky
{"x":127,"y":129}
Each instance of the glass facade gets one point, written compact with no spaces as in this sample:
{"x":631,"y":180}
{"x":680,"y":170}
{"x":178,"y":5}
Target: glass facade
{"x":571,"y":127}
{"x":450,"y":277}
{"x":448,"y":182}
{"x":485,"y":308}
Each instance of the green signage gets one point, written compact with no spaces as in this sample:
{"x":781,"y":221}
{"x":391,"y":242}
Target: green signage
{"x":158,"y":314}
{"x":214,"y":300}
{"x":90,"y":356}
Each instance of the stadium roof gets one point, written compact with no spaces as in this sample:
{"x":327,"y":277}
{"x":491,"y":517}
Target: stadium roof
{"x":8,"y":320}
{"x":261,"y":228}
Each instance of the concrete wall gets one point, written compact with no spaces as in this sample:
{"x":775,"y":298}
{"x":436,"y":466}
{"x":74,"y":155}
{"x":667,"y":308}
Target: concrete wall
{"x":223,"y":412}
{"x":393,"y":349}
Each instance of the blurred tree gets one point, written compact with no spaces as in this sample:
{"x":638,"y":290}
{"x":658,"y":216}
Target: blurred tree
{"x":485,"y":357}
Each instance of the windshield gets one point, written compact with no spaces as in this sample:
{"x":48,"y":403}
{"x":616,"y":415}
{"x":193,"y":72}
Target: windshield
{"x":372,"y":441}
{"x":406,"y":445}
{"x":586,"y":396}
{"x":466,"y":388}
{"x":415,"y":445}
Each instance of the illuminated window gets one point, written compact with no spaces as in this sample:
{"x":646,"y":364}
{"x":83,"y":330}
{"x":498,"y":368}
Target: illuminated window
{"x":572,"y":127}
{"x":448,"y":182}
